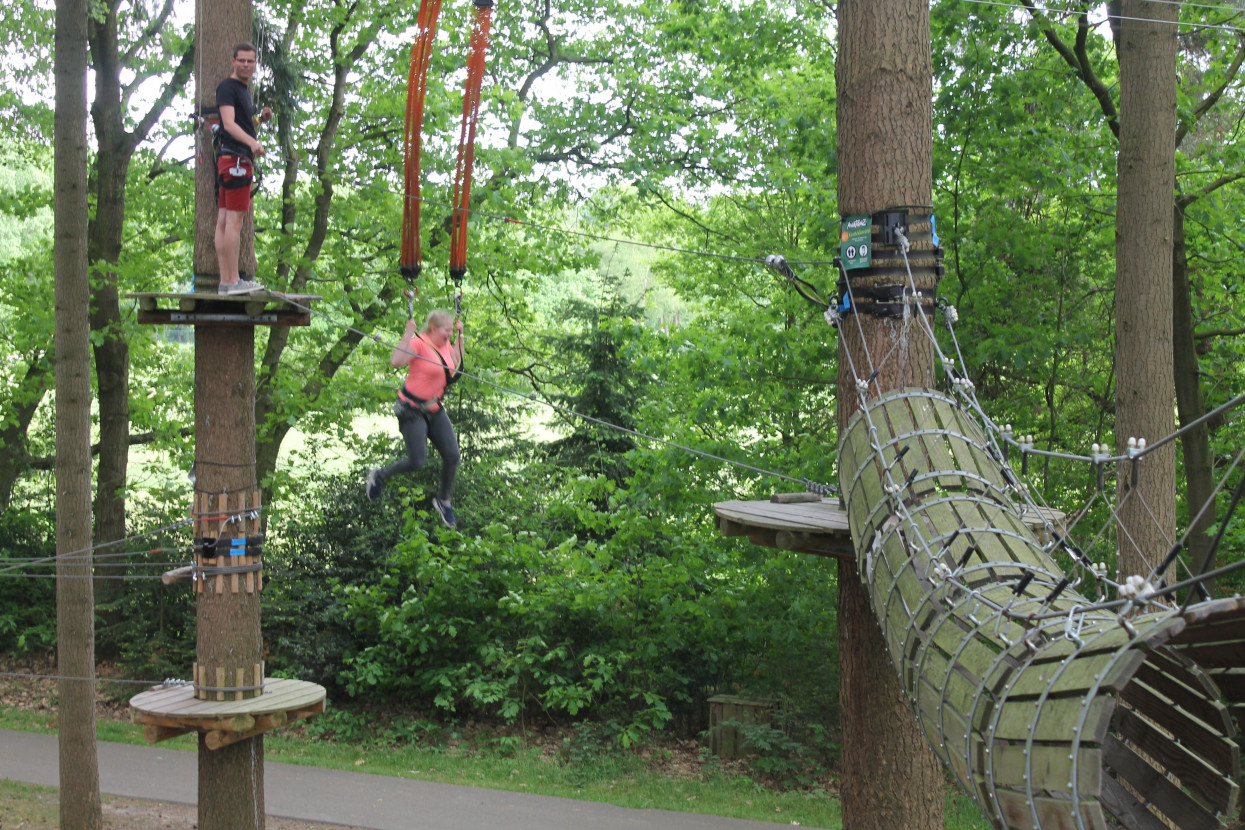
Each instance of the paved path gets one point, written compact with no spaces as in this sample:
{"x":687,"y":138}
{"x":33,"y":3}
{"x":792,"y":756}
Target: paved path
{"x":380,"y":802}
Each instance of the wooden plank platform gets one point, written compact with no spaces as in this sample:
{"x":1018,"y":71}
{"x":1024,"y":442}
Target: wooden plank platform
{"x":263,"y":308}
{"x":817,"y":527}
{"x":169,"y":711}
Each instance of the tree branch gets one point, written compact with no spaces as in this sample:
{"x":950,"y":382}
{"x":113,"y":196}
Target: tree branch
{"x":1186,"y":124}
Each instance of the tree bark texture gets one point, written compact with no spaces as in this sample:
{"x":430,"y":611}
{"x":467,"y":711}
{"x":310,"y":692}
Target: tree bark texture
{"x":228,"y":622}
{"x":80,"y":805}
{"x":231,"y":779}
{"x":1198,"y":464}
{"x":1146,"y":37}
{"x":884,"y":119}
{"x":112,"y":354}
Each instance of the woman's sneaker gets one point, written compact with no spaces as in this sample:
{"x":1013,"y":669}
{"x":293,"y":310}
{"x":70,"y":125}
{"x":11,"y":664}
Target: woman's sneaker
{"x":373,"y":485}
{"x":445,"y":512}
{"x":239,"y":287}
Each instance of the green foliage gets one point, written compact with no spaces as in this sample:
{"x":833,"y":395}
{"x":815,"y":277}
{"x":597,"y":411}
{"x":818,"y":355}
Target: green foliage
{"x":147,"y":627}
{"x":594,"y":752}
{"x":27,"y":605}
{"x":792,"y":752}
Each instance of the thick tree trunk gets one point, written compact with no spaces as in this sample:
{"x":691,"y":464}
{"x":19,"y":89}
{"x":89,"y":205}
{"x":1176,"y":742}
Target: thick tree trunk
{"x":1146,"y":37}
{"x":231,"y":779}
{"x":1190,"y":405}
{"x":80,"y":805}
{"x":890,"y":777}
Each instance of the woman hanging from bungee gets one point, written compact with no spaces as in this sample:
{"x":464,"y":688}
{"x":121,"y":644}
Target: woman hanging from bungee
{"x":432,"y":359}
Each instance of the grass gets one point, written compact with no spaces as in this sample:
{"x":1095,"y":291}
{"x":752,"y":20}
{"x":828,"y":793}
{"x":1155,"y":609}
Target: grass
{"x":622,"y":779}
{"x":26,"y":805}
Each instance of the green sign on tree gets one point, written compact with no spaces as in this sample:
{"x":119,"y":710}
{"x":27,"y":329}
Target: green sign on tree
{"x":855,"y":241}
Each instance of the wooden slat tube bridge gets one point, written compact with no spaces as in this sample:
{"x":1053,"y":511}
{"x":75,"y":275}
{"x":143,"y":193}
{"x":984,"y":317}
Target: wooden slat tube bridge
{"x":1052,"y":712}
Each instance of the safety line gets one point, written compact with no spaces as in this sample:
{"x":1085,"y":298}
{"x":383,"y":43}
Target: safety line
{"x":1077,"y":13}
{"x":28,"y":676}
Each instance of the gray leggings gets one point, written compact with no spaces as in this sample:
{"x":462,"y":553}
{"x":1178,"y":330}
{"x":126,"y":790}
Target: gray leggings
{"x":417,"y":431}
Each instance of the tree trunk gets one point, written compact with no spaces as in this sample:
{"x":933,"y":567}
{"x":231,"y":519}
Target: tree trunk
{"x":80,"y":805}
{"x":1146,"y":37}
{"x":112,"y":354}
{"x":231,"y":779}
{"x":1199,"y":467}
{"x":884,"y":76}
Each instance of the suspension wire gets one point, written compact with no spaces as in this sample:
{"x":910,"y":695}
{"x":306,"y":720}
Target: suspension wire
{"x":564,"y":410}
{"x":498,"y":217}
{"x":1214,"y":545}
{"x":1078,"y":13}
{"x":91,"y":576}
{"x":967,"y":392}
{"x":229,"y":515}
{"x":1219,"y":410}
{"x":96,"y":679}
{"x":172,"y":526}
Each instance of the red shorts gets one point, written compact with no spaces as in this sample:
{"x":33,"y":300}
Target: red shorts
{"x":234,"y":191}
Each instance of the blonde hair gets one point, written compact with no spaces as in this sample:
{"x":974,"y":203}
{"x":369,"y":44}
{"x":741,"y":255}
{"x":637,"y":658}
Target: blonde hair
{"x":437,"y":317}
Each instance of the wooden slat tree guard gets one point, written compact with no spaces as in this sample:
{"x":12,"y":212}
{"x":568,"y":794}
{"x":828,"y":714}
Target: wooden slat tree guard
{"x":1048,"y":716}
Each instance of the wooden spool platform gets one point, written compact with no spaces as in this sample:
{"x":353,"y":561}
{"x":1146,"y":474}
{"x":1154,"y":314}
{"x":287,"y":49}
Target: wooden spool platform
{"x":263,"y":308}
{"x":169,"y":711}
{"x":819,"y":526}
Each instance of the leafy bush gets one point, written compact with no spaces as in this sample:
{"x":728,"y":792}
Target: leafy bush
{"x":789,"y":752}
{"x":27,"y":594}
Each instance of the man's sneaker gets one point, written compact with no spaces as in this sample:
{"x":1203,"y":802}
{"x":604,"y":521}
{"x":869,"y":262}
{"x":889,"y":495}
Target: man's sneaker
{"x":445,"y":512}
{"x":373,"y":485}
{"x":239,"y":287}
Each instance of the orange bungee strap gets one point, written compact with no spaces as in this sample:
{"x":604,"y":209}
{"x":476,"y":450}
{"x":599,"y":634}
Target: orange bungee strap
{"x":467,"y":138}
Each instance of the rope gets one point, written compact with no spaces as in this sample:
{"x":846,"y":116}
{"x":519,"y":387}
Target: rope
{"x":467,"y":138}
{"x":409,"y":260}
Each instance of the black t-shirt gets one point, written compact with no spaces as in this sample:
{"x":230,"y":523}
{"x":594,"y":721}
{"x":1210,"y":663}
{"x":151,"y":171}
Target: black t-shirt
{"x":234,"y":93}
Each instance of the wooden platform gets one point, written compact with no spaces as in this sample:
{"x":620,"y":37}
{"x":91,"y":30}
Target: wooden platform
{"x":817,"y":527}
{"x":169,"y":711}
{"x":263,"y":308}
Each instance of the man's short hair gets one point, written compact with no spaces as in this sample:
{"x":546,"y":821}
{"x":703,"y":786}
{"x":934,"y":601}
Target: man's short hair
{"x":243,"y":47}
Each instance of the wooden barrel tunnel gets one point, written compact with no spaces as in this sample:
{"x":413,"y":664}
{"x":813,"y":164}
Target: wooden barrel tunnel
{"x":1052,"y":712}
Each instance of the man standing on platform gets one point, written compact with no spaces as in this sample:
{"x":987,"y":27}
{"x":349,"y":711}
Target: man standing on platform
{"x":235,"y":166}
